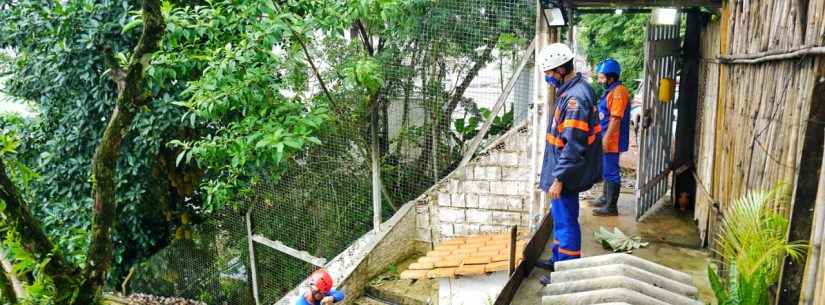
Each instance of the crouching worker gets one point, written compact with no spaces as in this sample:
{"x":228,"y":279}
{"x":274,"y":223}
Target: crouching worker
{"x":573,"y":154}
{"x":320,"y":290}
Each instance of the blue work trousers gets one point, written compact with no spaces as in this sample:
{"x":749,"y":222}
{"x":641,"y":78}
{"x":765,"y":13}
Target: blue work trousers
{"x":610,"y":170}
{"x":566,"y":231}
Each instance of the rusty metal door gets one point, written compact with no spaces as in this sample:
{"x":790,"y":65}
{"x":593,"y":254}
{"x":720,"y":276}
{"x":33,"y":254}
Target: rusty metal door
{"x":656,"y":139}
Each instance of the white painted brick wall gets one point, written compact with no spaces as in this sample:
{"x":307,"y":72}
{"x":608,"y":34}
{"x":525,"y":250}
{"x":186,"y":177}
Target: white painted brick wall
{"x":477,"y":187}
{"x":451,"y":215}
{"x":488,"y":197}
{"x":467,"y":229}
{"x":457,"y":200}
{"x":471,"y":200}
{"x":507,"y":218}
{"x":487,"y":173}
{"x":521,"y":173}
{"x":446,"y":229}
{"x":507,"y":187}
{"x":479,"y":216}
{"x":509,"y":159}
{"x":443,"y":199}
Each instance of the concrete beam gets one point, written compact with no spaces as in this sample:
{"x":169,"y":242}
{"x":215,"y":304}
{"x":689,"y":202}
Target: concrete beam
{"x":609,"y":282}
{"x":627,"y":271}
{"x":601,"y":296}
{"x":625,"y":259}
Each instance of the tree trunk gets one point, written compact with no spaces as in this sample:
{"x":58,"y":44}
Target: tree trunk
{"x":442,"y":122}
{"x":104,"y":165}
{"x":34,"y":239}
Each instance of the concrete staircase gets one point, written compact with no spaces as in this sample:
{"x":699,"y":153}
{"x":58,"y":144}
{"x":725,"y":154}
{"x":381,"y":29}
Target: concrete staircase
{"x":618,"y":279}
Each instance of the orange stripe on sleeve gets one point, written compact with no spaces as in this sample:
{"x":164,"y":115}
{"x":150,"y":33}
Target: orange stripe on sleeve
{"x":572,"y":123}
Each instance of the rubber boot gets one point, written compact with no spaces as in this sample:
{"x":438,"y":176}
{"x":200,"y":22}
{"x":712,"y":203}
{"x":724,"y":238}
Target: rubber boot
{"x":602,"y":201}
{"x":612,"y":193}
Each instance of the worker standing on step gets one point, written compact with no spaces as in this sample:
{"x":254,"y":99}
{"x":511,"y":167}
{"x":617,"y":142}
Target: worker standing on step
{"x":573,"y":155}
{"x":614,"y":118}
{"x":320,"y":290}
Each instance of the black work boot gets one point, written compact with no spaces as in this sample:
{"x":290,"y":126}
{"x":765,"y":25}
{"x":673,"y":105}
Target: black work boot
{"x":612,"y":194}
{"x":602,"y":201}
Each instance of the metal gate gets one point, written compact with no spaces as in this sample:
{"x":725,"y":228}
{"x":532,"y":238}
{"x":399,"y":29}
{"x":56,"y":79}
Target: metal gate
{"x":655,"y":143}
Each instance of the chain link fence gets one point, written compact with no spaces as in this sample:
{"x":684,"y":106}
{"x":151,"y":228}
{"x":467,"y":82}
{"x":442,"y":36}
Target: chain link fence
{"x":442,"y":80}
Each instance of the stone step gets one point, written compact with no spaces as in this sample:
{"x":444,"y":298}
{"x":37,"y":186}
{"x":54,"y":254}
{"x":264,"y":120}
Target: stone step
{"x":626,"y":259}
{"x":609,"y":282}
{"x":601,"y":296}
{"x":626,"y":271}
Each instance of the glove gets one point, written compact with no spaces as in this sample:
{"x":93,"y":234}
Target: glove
{"x":552,"y":81}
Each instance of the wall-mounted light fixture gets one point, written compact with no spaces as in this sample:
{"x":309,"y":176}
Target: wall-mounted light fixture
{"x":619,"y":11}
{"x":554,"y":12}
{"x":665,"y":16}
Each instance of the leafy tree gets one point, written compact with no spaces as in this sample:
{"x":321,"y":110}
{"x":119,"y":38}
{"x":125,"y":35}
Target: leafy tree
{"x":70,"y":284}
{"x":61,"y":68}
{"x":620,"y":37}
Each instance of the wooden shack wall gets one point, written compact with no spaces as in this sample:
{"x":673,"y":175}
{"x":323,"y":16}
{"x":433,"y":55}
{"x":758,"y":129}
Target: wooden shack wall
{"x":753,"y":116}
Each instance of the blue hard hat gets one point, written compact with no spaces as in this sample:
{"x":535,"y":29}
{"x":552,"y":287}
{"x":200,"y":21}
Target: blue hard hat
{"x":609,"y":65}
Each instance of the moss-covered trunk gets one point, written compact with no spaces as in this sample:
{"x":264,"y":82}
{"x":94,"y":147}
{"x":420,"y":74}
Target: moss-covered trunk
{"x":104,"y":165}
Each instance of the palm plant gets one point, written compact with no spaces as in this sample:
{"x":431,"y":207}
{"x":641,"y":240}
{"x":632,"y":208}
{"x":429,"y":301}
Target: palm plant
{"x":752,"y":243}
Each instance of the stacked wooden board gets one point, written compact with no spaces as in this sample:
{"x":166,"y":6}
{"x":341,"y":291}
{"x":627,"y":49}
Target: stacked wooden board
{"x":467,"y":256}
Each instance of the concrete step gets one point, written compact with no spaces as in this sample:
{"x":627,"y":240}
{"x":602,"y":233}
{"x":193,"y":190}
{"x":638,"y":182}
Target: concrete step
{"x":400,"y":292}
{"x":601,"y":296}
{"x":597,"y":272}
{"x":610,"y":282}
{"x":626,"y":259}
{"x":367,"y":300}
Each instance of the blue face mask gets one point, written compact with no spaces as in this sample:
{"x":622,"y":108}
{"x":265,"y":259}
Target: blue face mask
{"x":552,"y":81}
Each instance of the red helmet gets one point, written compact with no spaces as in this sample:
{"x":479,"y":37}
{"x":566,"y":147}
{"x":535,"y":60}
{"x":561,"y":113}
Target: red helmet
{"x":321,"y":280}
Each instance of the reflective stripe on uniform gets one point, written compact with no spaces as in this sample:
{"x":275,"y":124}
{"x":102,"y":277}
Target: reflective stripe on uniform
{"x":552,"y":140}
{"x":573,"y":123}
{"x":569,"y":252}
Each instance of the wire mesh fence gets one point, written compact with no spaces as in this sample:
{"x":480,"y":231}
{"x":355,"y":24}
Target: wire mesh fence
{"x":441,"y":80}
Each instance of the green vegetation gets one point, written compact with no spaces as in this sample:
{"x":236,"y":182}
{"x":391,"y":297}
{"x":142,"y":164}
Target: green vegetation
{"x":159,"y":122}
{"x":620,"y":37}
{"x":752,"y":245}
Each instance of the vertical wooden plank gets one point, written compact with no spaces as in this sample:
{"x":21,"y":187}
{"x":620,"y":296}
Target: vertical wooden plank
{"x":805,"y":190}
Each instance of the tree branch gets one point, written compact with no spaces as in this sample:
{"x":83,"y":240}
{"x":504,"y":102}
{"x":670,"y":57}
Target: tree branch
{"x":33,"y":238}
{"x":12,"y":287}
{"x":365,"y":38}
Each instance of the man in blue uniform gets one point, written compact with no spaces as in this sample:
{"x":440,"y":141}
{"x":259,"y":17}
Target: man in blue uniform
{"x":614,"y":118}
{"x":573,"y":155}
{"x":320,"y":290}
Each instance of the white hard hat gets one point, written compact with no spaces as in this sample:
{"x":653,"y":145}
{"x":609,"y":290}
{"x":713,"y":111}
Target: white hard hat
{"x":554,"y":55}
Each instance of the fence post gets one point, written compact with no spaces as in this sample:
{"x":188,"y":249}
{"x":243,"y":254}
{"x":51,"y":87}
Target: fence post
{"x":252,"y":262}
{"x":376,"y":169}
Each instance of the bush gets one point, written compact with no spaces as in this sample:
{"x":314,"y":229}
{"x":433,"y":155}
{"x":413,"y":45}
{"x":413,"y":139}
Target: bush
{"x":751,"y":242}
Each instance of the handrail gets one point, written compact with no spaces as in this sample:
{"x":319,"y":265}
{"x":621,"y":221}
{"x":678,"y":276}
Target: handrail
{"x":468,"y":154}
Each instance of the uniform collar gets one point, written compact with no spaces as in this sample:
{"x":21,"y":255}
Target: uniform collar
{"x":569,"y":84}
{"x":611,"y":87}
